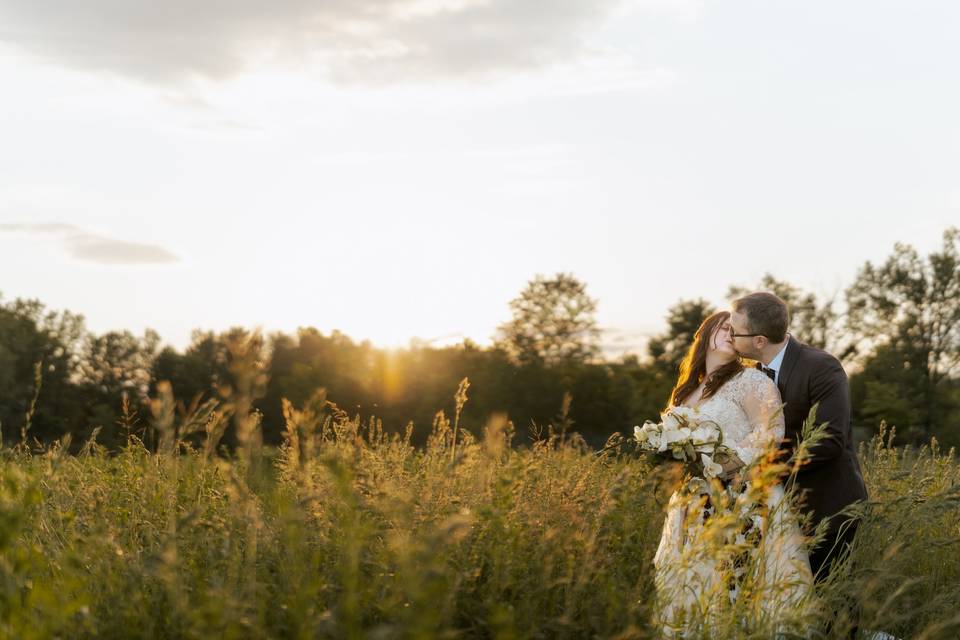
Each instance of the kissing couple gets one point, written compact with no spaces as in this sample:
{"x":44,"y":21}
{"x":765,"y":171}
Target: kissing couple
{"x":758,"y":409}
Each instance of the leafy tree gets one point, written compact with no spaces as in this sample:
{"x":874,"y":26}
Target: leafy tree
{"x":114,"y":367}
{"x":196,"y":373}
{"x":119,"y":361}
{"x":905,"y":317}
{"x":683,"y":320}
{"x":553,"y":323}
{"x":39,"y":357}
{"x":229,"y":367}
{"x":889,"y":388}
{"x":301,"y":365}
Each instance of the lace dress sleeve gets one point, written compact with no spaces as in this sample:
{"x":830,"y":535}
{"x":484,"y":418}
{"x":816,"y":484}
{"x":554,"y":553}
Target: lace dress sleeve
{"x":760,"y":400}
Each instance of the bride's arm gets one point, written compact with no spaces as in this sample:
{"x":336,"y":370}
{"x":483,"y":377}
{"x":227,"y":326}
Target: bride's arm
{"x":761,"y":402}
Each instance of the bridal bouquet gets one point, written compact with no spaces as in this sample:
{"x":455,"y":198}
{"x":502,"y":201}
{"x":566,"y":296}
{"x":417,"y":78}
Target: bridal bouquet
{"x":682,"y":435}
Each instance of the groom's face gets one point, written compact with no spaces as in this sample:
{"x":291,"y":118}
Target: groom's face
{"x":744,"y":346}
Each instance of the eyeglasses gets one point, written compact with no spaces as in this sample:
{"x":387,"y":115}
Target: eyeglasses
{"x":734,"y":334}
{"x":726,"y":326}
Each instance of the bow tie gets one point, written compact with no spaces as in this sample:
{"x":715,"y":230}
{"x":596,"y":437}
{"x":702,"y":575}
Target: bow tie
{"x":771,"y":373}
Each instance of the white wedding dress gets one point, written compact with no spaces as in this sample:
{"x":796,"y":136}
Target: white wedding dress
{"x":703,"y":566}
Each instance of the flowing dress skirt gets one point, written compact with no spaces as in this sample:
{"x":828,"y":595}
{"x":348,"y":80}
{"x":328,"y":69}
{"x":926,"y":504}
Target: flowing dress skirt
{"x":740,"y":562}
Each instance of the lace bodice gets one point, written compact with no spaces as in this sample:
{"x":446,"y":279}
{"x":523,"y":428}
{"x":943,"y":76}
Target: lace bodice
{"x":748,"y":410}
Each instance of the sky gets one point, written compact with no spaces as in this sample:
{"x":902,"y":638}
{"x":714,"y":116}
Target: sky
{"x":402,"y":168}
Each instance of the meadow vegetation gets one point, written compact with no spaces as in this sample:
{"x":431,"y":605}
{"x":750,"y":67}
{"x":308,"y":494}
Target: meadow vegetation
{"x":346,"y":531}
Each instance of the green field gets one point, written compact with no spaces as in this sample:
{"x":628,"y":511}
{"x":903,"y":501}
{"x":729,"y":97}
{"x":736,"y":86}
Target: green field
{"x":346,"y":532}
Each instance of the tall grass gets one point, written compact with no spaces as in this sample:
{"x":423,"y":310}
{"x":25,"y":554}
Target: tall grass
{"x":347,"y":531}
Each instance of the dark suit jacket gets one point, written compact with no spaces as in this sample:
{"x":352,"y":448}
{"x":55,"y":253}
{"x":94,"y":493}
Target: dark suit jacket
{"x":831,"y":479}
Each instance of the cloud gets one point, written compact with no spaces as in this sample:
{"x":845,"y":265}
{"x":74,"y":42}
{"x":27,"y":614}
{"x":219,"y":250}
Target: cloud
{"x":378,"y":41}
{"x":92,"y":247}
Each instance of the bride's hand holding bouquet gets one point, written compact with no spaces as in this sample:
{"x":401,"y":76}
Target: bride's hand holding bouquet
{"x":684,"y":436}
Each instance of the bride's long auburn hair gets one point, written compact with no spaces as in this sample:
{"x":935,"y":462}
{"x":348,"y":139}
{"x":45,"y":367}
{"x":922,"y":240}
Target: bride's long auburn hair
{"x":693,"y":369}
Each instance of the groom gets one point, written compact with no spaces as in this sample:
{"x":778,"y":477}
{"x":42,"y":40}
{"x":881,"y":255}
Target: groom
{"x":830,"y":480}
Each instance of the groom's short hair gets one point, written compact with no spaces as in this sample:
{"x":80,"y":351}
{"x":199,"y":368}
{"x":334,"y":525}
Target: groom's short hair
{"x":766,"y":314}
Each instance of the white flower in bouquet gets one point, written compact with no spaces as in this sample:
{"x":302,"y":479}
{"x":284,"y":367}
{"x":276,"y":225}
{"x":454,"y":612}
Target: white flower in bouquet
{"x":705,"y":437}
{"x":648,"y":433}
{"x":672,"y":436}
{"x":679,"y":417}
{"x":683,"y":435}
{"x":710,"y":468}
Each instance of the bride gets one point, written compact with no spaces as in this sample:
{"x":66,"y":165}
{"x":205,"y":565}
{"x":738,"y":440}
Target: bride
{"x":736,"y":556}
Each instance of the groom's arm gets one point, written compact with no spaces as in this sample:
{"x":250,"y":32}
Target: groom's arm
{"x":829,"y":388}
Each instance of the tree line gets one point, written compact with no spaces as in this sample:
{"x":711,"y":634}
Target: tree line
{"x":896,"y":328}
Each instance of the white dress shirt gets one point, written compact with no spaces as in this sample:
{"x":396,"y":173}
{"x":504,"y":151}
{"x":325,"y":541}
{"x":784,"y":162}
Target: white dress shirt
{"x":777,"y":361}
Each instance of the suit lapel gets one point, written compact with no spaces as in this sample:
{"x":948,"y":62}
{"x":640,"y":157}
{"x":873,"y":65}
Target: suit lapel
{"x":790,"y":358}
